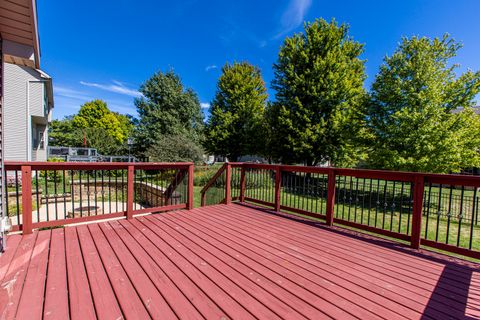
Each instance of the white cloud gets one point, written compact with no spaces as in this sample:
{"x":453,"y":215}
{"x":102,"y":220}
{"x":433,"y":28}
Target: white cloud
{"x":116,"y":87}
{"x":210,"y":67}
{"x":293,"y":16}
{"x":205,"y":105}
{"x":71,"y":93}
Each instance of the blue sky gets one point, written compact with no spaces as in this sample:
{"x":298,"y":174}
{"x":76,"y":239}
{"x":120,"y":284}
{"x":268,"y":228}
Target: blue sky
{"x":106,"y":49}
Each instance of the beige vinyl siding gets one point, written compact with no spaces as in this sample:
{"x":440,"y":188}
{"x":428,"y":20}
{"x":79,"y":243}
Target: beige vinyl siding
{"x":17,"y":119}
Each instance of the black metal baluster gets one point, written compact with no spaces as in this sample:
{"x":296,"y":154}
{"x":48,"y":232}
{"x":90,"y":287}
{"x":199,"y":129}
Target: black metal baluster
{"x":103,"y":191}
{"x":428,"y":208}
{"x":370,"y":201}
{"x":37,"y":196}
{"x":460,"y":216}
{"x":81,"y":202}
{"x":470,"y":240}
{"x":385,"y":204}
{"x":393,"y":206}
{"x":72,"y":191}
{"x":401,"y":207}
{"x":64,"y":195}
{"x":95,"y":190}
{"x":439,"y":212}
{"x":350,"y":197}
{"x":55,"y":193}
{"x":378,"y":202}
{"x":449,"y":214}
{"x":46,"y":195}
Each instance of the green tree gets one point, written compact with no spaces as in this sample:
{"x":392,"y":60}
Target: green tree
{"x":319,"y":92}
{"x":236,"y":121}
{"x":413,"y":114}
{"x":166,"y":108}
{"x":95,"y":114}
{"x":175,"y":148}
{"x":62,"y":133}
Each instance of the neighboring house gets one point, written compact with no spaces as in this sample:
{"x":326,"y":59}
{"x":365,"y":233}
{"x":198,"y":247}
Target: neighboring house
{"x":26,"y":95}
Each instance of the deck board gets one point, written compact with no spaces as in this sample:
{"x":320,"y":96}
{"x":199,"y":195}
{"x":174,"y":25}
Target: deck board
{"x":228,"y":261}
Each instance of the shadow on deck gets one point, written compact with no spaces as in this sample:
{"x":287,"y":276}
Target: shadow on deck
{"x":228,"y":261}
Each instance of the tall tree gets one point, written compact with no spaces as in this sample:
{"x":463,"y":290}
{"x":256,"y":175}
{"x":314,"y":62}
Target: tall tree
{"x":318,"y":81}
{"x":413,"y":114}
{"x":236,"y":121}
{"x":166,"y":108}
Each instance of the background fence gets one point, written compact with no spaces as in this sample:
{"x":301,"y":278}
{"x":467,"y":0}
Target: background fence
{"x":439,"y":211}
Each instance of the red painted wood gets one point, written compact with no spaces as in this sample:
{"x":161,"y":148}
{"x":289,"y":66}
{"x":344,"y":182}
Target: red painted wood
{"x":190,"y":287}
{"x":12,"y":284}
{"x":275,"y":283}
{"x":153,"y":301}
{"x":132,"y":306}
{"x":288,"y":209}
{"x":7,"y":256}
{"x":174,"y":297}
{"x":278,"y":186}
{"x":242,"y":185}
{"x":450,"y":248}
{"x":191,"y":172}
{"x":56,"y":292}
{"x":64,"y":222}
{"x":27,"y":199}
{"x":342,"y":257}
{"x":161,"y":209}
{"x":228,"y":184}
{"x":104,"y":298}
{"x":331,"y":197}
{"x":222,"y":235}
{"x":259,"y":288}
{"x":130,"y":190}
{"x":233,"y":288}
{"x":372,"y":229}
{"x":409,"y":271}
{"x":263,"y":203}
{"x":31,"y":302}
{"x":418,"y":189}
{"x":80,"y":297}
{"x":335,"y":270}
{"x":224,"y":293}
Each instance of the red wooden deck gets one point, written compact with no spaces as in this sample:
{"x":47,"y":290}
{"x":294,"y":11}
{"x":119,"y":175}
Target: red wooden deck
{"x":227,"y":261}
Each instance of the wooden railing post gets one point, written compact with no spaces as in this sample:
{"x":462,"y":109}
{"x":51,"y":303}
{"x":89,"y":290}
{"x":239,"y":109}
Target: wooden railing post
{"x":26,"y":199}
{"x":278,"y":186}
{"x":190,"y":187}
{"x":228,"y":184}
{"x":330,"y":197}
{"x":418,"y":189}
{"x":130,"y":191}
{"x":242,"y":184}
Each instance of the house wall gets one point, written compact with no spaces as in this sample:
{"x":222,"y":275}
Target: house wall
{"x":24,"y":98}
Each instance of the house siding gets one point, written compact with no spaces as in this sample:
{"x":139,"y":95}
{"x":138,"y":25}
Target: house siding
{"x":17,"y":117}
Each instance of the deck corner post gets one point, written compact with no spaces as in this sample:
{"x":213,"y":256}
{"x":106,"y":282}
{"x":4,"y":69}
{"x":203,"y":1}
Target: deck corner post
{"x":26,"y":199}
{"x":418,"y":189}
{"x":130,"y":190}
{"x":242,"y":184}
{"x":330,"y":197}
{"x":191,"y":170}
{"x":278,"y":186}
{"x":228,"y":183}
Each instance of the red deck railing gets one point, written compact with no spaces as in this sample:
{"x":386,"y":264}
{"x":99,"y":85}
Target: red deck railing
{"x":434,"y":210}
{"x":47,"y":194}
